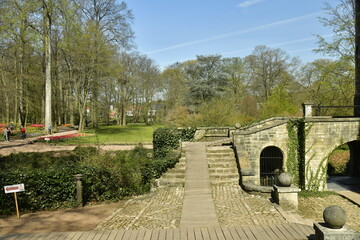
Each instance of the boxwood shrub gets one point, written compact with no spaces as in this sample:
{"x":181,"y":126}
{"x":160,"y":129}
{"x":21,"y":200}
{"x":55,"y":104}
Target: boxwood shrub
{"x":167,"y":139}
{"x":49,"y":177}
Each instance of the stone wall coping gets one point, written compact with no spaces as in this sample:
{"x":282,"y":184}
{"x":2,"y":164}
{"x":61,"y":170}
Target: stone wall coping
{"x":291,"y":189}
{"x":332,"y":119}
{"x":251,"y":131}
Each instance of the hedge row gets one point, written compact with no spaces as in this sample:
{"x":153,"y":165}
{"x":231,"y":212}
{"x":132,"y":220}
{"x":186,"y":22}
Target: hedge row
{"x":167,"y":139}
{"x":50,"y":184}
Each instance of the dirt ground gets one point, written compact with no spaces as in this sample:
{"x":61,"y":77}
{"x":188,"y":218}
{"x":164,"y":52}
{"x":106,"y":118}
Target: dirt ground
{"x":79,"y":219}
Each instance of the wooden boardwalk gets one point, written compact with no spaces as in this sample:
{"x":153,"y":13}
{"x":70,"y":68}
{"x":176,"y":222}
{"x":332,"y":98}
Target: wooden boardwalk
{"x":288,"y":231}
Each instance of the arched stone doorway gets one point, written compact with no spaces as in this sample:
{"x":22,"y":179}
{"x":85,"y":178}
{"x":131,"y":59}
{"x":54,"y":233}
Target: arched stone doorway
{"x":271,"y":163}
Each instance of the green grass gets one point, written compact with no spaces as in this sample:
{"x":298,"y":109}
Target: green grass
{"x":133,"y":133}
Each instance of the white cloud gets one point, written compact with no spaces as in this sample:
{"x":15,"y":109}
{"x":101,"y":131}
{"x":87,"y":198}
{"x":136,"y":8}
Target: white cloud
{"x":232,"y":34}
{"x":249,"y":3}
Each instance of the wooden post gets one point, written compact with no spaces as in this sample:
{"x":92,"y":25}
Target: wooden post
{"x":17,"y":206}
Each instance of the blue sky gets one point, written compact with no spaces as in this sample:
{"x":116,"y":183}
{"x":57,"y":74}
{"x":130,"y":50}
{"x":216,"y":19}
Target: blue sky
{"x":170,"y":31}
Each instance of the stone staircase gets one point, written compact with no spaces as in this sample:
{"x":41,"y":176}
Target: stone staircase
{"x":222,"y":165}
{"x":174,"y":177}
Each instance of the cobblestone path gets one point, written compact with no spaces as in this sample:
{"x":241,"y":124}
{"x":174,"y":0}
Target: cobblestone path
{"x":159,"y":209}
{"x":236,"y":207}
{"x":162,"y":209}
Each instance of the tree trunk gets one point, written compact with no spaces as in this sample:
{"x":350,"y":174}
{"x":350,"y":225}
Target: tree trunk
{"x":48,"y":113}
{"x":357,"y":59}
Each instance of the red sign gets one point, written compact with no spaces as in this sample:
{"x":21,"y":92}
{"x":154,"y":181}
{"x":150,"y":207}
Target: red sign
{"x":14,"y":188}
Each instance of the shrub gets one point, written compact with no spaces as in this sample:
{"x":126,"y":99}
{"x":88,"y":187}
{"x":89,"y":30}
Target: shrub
{"x":167,"y":139}
{"x":49,"y":177}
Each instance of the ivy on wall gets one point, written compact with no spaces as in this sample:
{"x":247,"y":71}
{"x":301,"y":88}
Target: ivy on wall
{"x":297,"y":132}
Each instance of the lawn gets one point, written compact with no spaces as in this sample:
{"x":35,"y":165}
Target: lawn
{"x":133,"y":133}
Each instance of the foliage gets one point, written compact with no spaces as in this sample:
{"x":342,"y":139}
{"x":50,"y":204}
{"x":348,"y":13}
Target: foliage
{"x":167,"y":139}
{"x":341,"y":20}
{"x":338,"y":160}
{"x":279,"y":104}
{"x":49,"y":181}
{"x":317,"y":194}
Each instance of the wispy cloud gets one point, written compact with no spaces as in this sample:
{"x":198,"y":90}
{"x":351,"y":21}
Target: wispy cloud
{"x":232,"y":34}
{"x":249,"y":3}
{"x":281,"y":44}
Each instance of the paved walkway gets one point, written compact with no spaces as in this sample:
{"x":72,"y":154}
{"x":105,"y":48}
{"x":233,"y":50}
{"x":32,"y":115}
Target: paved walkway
{"x":195,"y":212}
{"x":346,"y":186}
{"x":30,"y":145}
{"x":198,"y":207}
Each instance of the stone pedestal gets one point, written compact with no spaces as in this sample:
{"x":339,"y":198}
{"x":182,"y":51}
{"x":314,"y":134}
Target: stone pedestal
{"x":286,"y":197}
{"x":324,"y":233}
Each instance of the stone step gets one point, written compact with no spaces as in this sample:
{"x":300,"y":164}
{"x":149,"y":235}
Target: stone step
{"x":171,"y":182}
{"x":225,"y":177}
{"x":221,"y":160}
{"x":214,"y":171}
{"x":219,"y":154}
{"x":173,"y":175}
{"x":176,"y":170}
{"x":226,"y":182}
{"x":222,"y":164}
{"x":218,"y":148}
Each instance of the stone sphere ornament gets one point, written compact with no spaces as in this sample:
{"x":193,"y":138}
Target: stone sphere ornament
{"x":285,"y":179}
{"x":237,"y":125}
{"x":334,"y":217}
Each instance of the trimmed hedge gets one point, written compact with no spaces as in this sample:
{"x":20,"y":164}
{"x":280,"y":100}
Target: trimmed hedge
{"x":50,"y":184}
{"x":167,"y":139}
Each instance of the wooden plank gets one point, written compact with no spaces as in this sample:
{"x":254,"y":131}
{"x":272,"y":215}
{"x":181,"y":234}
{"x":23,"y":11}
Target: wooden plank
{"x":241,"y":232}
{"x":212,"y":233}
{"x":98,"y":235}
{"x":141,"y":234}
{"x":277,"y":232}
{"x":105,"y":235}
{"x":284,"y":231}
{"x":183,"y":234}
{"x":133,"y":234}
{"x":205,"y":233}
{"x":190,"y":234}
{"x":120,"y":234}
{"x":307,"y":230}
{"x":298,"y":230}
{"x":234,"y":233}
{"x":227,"y":233}
{"x":219,"y":233}
{"x":258,"y":232}
{"x":84,"y":236}
{"x":155,"y":234}
{"x":291,"y":231}
{"x":248,"y":232}
{"x":269,"y":232}
{"x":162,"y":234}
{"x":170,"y":234}
{"x":147,"y":235}
{"x":76,"y":236}
{"x":176,"y":234}
{"x":197,"y":233}
{"x":127,"y":235}
{"x":54,"y":236}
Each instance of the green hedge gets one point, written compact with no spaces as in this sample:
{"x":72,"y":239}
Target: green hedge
{"x":167,"y":139}
{"x":49,"y":183}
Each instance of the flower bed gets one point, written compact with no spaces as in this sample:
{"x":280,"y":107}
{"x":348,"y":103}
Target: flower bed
{"x":36,"y":125}
{"x":47,"y":138}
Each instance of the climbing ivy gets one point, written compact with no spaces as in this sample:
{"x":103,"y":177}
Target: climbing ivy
{"x":297,"y":129}
{"x":316,"y":179}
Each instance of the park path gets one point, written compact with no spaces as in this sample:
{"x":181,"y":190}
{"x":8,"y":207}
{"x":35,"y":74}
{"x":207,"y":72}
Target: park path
{"x":30,"y":145}
{"x":198,"y":206}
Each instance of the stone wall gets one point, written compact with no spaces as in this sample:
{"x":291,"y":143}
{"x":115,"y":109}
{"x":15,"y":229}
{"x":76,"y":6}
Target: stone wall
{"x":323,"y":135}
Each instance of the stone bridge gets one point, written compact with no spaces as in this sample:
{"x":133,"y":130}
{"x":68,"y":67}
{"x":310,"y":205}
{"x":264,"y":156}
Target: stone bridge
{"x":297,"y":145}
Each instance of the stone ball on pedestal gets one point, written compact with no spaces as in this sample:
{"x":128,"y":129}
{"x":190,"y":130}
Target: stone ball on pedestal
{"x":334,"y":217}
{"x":285,"y":179}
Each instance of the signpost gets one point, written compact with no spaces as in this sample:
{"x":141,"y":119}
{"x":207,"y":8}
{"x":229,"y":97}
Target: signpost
{"x":14,"y":189}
